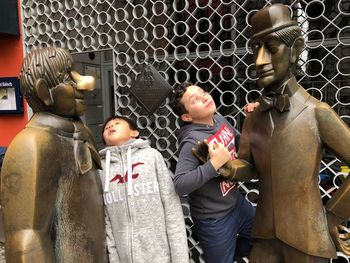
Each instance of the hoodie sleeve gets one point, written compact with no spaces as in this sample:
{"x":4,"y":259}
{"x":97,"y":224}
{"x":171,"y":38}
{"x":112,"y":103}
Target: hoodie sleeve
{"x":174,"y":220}
{"x":111,"y":247}
{"x":190,"y":175}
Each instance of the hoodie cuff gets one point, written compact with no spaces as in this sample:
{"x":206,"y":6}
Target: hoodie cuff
{"x":211,"y":170}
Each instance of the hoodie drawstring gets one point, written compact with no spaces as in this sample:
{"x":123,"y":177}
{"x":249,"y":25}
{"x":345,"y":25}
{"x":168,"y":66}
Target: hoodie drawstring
{"x":108,"y":162}
{"x":129,"y":177}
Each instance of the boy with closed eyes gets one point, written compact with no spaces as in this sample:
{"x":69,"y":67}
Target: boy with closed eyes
{"x":144,"y":220}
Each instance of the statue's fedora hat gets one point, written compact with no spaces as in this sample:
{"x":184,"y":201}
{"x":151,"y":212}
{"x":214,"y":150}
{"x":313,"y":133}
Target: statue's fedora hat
{"x":270,"y":19}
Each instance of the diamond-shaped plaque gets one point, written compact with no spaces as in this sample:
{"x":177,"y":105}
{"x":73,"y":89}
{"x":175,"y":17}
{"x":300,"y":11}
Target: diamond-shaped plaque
{"x":150,"y":88}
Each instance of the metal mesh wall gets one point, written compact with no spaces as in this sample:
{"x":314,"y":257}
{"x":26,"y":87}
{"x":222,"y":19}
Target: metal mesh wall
{"x":205,"y":42}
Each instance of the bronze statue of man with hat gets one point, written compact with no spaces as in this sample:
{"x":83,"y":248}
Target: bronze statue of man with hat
{"x":281,"y":144}
{"x":51,"y":194}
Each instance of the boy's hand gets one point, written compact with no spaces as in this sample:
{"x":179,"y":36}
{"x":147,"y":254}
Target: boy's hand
{"x":250,"y":107}
{"x":201,"y":151}
{"x":227,"y":170}
{"x":219,"y":155}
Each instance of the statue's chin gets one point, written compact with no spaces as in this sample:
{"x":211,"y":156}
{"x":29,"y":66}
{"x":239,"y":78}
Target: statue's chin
{"x":80,"y":109}
{"x":269,"y":83}
{"x":265,"y":83}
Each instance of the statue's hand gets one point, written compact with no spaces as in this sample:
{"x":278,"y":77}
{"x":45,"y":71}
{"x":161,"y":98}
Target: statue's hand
{"x":227,"y":170}
{"x":201,"y":151}
{"x":340,"y":237}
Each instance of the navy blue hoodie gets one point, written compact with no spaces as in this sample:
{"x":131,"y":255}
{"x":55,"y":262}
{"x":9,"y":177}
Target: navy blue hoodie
{"x":209,"y":195}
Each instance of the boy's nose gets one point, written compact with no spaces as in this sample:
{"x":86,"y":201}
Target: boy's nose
{"x":83,"y":82}
{"x":109,"y":126}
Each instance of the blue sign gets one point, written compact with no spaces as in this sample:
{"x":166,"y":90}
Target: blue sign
{"x":10,"y":97}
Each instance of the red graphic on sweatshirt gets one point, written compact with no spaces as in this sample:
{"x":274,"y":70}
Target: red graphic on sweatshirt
{"x":227,"y":186}
{"x":227,"y":138}
{"x":123,"y":179}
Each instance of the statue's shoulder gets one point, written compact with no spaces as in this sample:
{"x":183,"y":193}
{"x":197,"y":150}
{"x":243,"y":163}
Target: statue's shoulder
{"x":318,"y":107}
{"x":33,"y":136}
{"x":323,"y":106}
{"x":29,"y":143}
{"x":313,"y":102}
{"x":324,"y":112}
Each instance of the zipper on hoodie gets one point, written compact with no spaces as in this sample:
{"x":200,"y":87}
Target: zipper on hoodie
{"x":127,"y":205}
{"x":125,"y":188}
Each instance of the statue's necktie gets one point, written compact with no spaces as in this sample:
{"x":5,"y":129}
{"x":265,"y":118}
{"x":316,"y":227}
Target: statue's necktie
{"x":278,"y":101}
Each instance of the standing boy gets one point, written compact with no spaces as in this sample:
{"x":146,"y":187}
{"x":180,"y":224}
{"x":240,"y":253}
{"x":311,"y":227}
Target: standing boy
{"x":144,"y":220}
{"x":222,"y":217}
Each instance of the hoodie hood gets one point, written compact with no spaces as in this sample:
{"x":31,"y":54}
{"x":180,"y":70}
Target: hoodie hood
{"x":135,"y":144}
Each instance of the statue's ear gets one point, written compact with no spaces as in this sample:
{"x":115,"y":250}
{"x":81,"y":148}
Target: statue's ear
{"x":296,"y":49}
{"x":42,"y":91}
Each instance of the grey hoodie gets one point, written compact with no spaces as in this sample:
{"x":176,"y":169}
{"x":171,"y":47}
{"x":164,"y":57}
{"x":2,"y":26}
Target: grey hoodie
{"x":144,"y":220}
{"x":209,"y":195}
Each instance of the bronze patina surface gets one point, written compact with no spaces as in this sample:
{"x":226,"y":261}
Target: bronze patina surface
{"x":282,"y":142}
{"x":50,"y":189}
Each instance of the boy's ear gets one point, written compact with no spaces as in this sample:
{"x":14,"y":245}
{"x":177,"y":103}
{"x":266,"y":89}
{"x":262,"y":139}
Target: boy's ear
{"x":42,"y":91}
{"x":135,"y":133}
{"x":186,"y":117}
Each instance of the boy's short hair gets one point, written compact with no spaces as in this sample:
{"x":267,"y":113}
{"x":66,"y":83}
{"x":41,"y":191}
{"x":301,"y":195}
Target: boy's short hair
{"x":132,"y":124}
{"x":175,"y":101}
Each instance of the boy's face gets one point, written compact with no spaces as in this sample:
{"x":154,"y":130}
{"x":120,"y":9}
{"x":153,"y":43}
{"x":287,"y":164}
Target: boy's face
{"x":68,"y":96}
{"x":199,"y":104}
{"x":117,"y":132}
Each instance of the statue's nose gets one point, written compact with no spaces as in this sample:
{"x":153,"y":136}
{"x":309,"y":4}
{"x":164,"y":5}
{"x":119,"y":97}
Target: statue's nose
{"x":263,"y":56}
{"x":83,"y":82}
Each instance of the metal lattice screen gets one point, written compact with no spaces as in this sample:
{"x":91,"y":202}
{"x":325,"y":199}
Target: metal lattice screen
{"x":205,"y":42}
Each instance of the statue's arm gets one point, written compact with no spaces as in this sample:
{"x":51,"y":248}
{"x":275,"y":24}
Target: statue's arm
{"x":335,"y":135}
{"x":28,"y":193}
{"x":241,"y":169}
